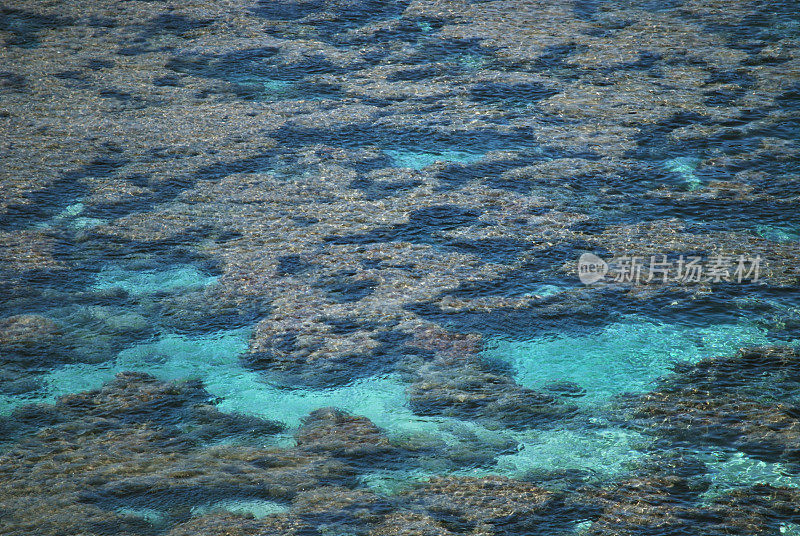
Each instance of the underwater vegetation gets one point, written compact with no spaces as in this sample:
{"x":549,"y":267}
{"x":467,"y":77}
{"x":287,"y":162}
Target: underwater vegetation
{"x":310,"y":267}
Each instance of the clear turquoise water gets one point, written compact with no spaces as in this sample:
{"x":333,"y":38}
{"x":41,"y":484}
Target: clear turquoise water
{"x":624,"y":357}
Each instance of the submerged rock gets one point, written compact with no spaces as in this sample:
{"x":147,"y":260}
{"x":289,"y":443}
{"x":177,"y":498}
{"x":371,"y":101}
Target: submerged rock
{"x":131,"y":444}
{"x":668,"y":505}
{"x":28,"y":336}
{"x":333,"y":432}
{"x":743,"y":402}
{"x":490,"y":505}
{"x":463,"y":388}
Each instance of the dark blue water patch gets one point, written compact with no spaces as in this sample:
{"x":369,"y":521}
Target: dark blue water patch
{"x":187,"y":313}
{"x":235,"y":64}
{"x":729,"y":77}
{"x":383,"y":189}
{"x":97,"y":64}
{"x":47,"y":202}
{"x":47,"y":290}
{"x":425,"y":226}
{"x":724,"y":97}
{"x":398,"y":233}
{"x":10,"y":81}
{"x":155,"y":255}
{"x":81,"y":250}
{"x":547,"y":261}
{"x":348,"y":326}
{"x":122,"y":97}
{"x":604,"y":189}
{"x":654,"y":143}
{"x":521,"y":323}
{"x":491,"y":172}
{"x":775,"y":308}
{"x":511,"y":94}
{"x":374,"y":56}
{"x":494,"y":250}
{"x":293,"y":265}
{"x":174,"y":504}
{"x":97,"y":21}
{"x":763,"y":61}
{"x":304,"y":221}
{"x":738,"y":138}
{"x":585,"y":9}
{"x":330,"y":372}
{"x":421,"y":139}
{"x":787,"y":127}
{"x":167,"y":81}
{"x":354,"y":14}
{"x":16,"y":382}
{"x":437,"y":50}
{"x":759,"y":28}
{"x":253,"y":62}
{"x":629,"y":183}
{"x":25,"y":27}
{"x":287,"y":9}
{"x":79,"y":78}
{"x":345,"y":288}
{"x":220,"y":170}
{"x":647,"y":61}
{"x":177,"y":310}
{"x":257,"y":91}
{"x":790,"y":99}
{"x":395,"y":344}
{"x":128,"y":204}
{"x":720,"y":214}
{"x":777,"y":183}
{"x":554,"y":56}
{"x":348,"y":519}
{"x":591,"y":227}
{"x":592,"y":310}
{"x":441,"y":217}
{"x":409,"y":30}
{"x":251,"y":71}
{"x":168,"y":190}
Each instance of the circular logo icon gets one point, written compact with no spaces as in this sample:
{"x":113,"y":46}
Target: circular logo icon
{"x":591,"y":268}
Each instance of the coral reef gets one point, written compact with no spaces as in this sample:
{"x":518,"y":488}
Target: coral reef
{"x":745,"y":402}
{"x":383,"y":187}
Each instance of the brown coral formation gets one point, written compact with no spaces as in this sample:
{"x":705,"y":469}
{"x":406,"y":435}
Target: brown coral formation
{"x":370,"y":180}
{"x":743,"y":402}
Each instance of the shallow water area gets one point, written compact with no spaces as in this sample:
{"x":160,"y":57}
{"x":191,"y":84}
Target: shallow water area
{"x":623,"y":357}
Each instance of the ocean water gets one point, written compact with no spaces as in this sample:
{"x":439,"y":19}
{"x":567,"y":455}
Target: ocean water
{"x":421,"y":160}
{"x":627,"y":356}
{"x":143,"y":282}
{"x":310,"y":204}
